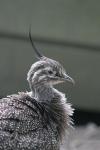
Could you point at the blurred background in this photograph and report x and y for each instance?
(65, 30)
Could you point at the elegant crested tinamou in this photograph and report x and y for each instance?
(36, 120)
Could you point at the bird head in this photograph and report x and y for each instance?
(46, 71)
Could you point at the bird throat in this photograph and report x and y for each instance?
(42, 93)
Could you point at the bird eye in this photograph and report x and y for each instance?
(56, 74)
(50, 72)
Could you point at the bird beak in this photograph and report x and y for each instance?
(69, 79)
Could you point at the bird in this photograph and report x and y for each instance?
(37, 119)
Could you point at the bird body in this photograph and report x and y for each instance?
(23, 125)
(28, 124)
(36, 120)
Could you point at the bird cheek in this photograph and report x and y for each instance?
(41, 78)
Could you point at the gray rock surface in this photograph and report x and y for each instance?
(83, 138)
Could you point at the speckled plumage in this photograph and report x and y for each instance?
(26, 124)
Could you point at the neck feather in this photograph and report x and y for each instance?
(55, 107)
(43, 93)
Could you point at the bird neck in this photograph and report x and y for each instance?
(43, 93)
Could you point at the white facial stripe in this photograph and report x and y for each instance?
(47, 68)
(41, 78)
(36, 73)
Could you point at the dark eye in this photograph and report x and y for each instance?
(50, 72)
(57, 74)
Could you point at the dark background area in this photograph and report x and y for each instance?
(83, 117)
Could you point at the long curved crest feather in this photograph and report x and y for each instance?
(38, 54)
